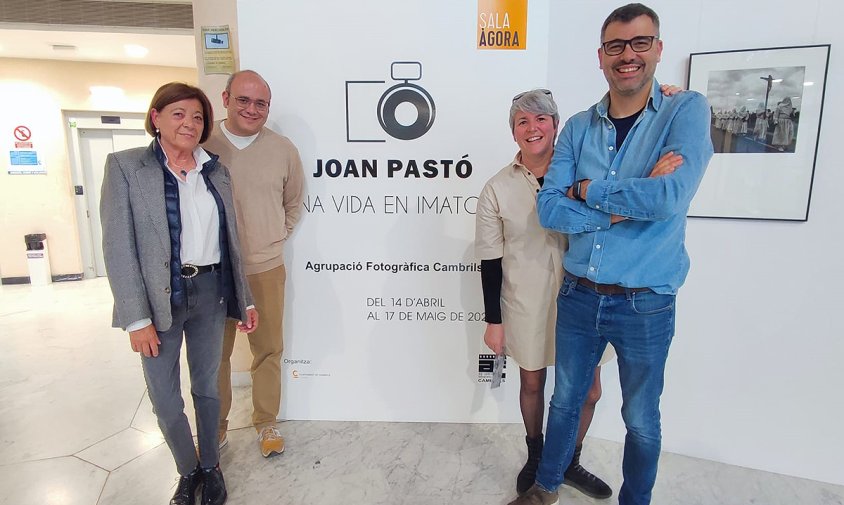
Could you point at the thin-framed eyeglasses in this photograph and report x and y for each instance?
(545, 91)
(244, 102)
(638, 44)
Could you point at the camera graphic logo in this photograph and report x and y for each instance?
(405, 111)
(486, 366)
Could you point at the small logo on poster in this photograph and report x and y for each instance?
(486, 364)
(502, 24)
(405, 111)
(300, 364)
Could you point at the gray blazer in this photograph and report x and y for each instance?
(136, 238)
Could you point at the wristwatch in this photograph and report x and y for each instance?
(576, 188)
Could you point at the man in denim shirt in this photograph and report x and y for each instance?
(620, 184)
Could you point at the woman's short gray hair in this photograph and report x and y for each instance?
(536, 101)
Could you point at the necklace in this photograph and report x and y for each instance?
(183, 169)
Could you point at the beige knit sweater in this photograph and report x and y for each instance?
(267, 180)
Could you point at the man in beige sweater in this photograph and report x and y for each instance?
(267, 176)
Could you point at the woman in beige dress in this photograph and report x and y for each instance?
(521, 272)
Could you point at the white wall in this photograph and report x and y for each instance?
(37, 92)
(754, 377)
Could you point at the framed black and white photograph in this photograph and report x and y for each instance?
(766, 107)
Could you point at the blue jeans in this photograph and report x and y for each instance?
(200, 320)
(640, 325)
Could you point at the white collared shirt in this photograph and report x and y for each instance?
(200, 220)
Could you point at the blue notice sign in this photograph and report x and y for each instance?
(25, 162)
(23, 157)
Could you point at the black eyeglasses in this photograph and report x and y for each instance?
(244, 102)
(637, 44)
(545, 91)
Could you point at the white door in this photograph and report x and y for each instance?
(94, 145)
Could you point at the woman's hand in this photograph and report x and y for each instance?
(494, 337)
(145, 340)
(670, 89)
(250, 322)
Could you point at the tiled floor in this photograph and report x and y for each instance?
(76, 428)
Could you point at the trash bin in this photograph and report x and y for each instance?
(38, 259)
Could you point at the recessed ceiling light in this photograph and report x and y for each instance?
(808, 83)
(64, 47)
(101, 94)
(135, 51)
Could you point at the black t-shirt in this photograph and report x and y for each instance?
(623, 126)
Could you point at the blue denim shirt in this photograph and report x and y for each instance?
(647, 249)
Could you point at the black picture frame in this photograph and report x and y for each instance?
(767, 106)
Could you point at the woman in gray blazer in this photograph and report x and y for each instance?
(173, 263)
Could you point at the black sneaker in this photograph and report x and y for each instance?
(583, 480)
(213, 486)
(186, 490)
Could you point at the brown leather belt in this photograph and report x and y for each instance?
(605, 289)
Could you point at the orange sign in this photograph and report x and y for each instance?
(502, 24)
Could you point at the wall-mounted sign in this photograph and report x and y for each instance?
(397, 138)
(217, 53)
(502, 24)
(23, 158)
(22, 133)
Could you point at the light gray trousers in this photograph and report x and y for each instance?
(200, 321)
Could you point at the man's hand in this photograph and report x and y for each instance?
(145, 340)
(583, 185)
(583, 189)
(666, 164)
(494, 337)
(250, 323)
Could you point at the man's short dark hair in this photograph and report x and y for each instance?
(628, 13)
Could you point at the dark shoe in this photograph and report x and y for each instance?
(527, 476)
(213, 486)
(536, 496)
(581, 479)
(186, 490)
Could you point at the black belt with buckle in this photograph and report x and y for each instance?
(605, 289)
(189, 271)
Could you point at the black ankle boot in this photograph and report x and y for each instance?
(581, 479)
(213, 486)
(528, 474)
(186, 490)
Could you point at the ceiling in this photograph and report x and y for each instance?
(173, 47)
(164, 49)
